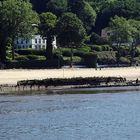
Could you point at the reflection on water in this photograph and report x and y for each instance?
(71, 117)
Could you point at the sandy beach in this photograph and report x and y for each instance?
(11, 76)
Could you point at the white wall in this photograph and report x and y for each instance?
(37, 42)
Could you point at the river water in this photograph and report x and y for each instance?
(106, 116)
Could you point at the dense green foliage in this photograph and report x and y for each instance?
(88, 10)
(124, 31)
(16, 20)
(77, 25)
(47, 26)
(71, 32)
(84, 11)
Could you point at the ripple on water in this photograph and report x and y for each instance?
(80, 117)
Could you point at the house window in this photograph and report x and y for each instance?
(40, 41)
(17, 41)
(30, 46)
(36, 46)
(21, 41)
(27, 41)
(43, 40)
(35, 40)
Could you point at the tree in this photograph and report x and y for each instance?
(47, 27)
(16, 21)
(39, 5)
(109, 8)
(120, 33)
(57, 7)
(84, 11)
(71, 32)
(135, 33)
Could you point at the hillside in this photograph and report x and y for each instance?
(95, 14)
(87, 32)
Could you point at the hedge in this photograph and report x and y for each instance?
(101, 47)
(106, 57)
(30, 52)
(21, 58)
(32, 57)
(124, 60)
(90, 60)
(34, 64)
(96, 39)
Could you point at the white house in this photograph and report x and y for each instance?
(36, 42)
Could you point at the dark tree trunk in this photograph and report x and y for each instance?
(3, 50)
(132, 53)
(118, 54)
(71, 57)
(49, 47)
(13, 49)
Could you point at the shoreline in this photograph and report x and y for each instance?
(11, 76)
(70, 89)
(9, 79)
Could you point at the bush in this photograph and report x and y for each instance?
(30, 52)
(58, 51)
(42, 58)
(57, 56)
(90, 60)
(63, 51)
(137, 51)
(31, 64)
(137, 60)
(106, 57)
(100, 48)
(21, 58)
(84, 48)
(123, 50)
(96, 39)
(79, 53)
(106, 48)
(75, 60)
(66, 52)
(32, 57)
(124, 60)
(66, 60)
(96, 48)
